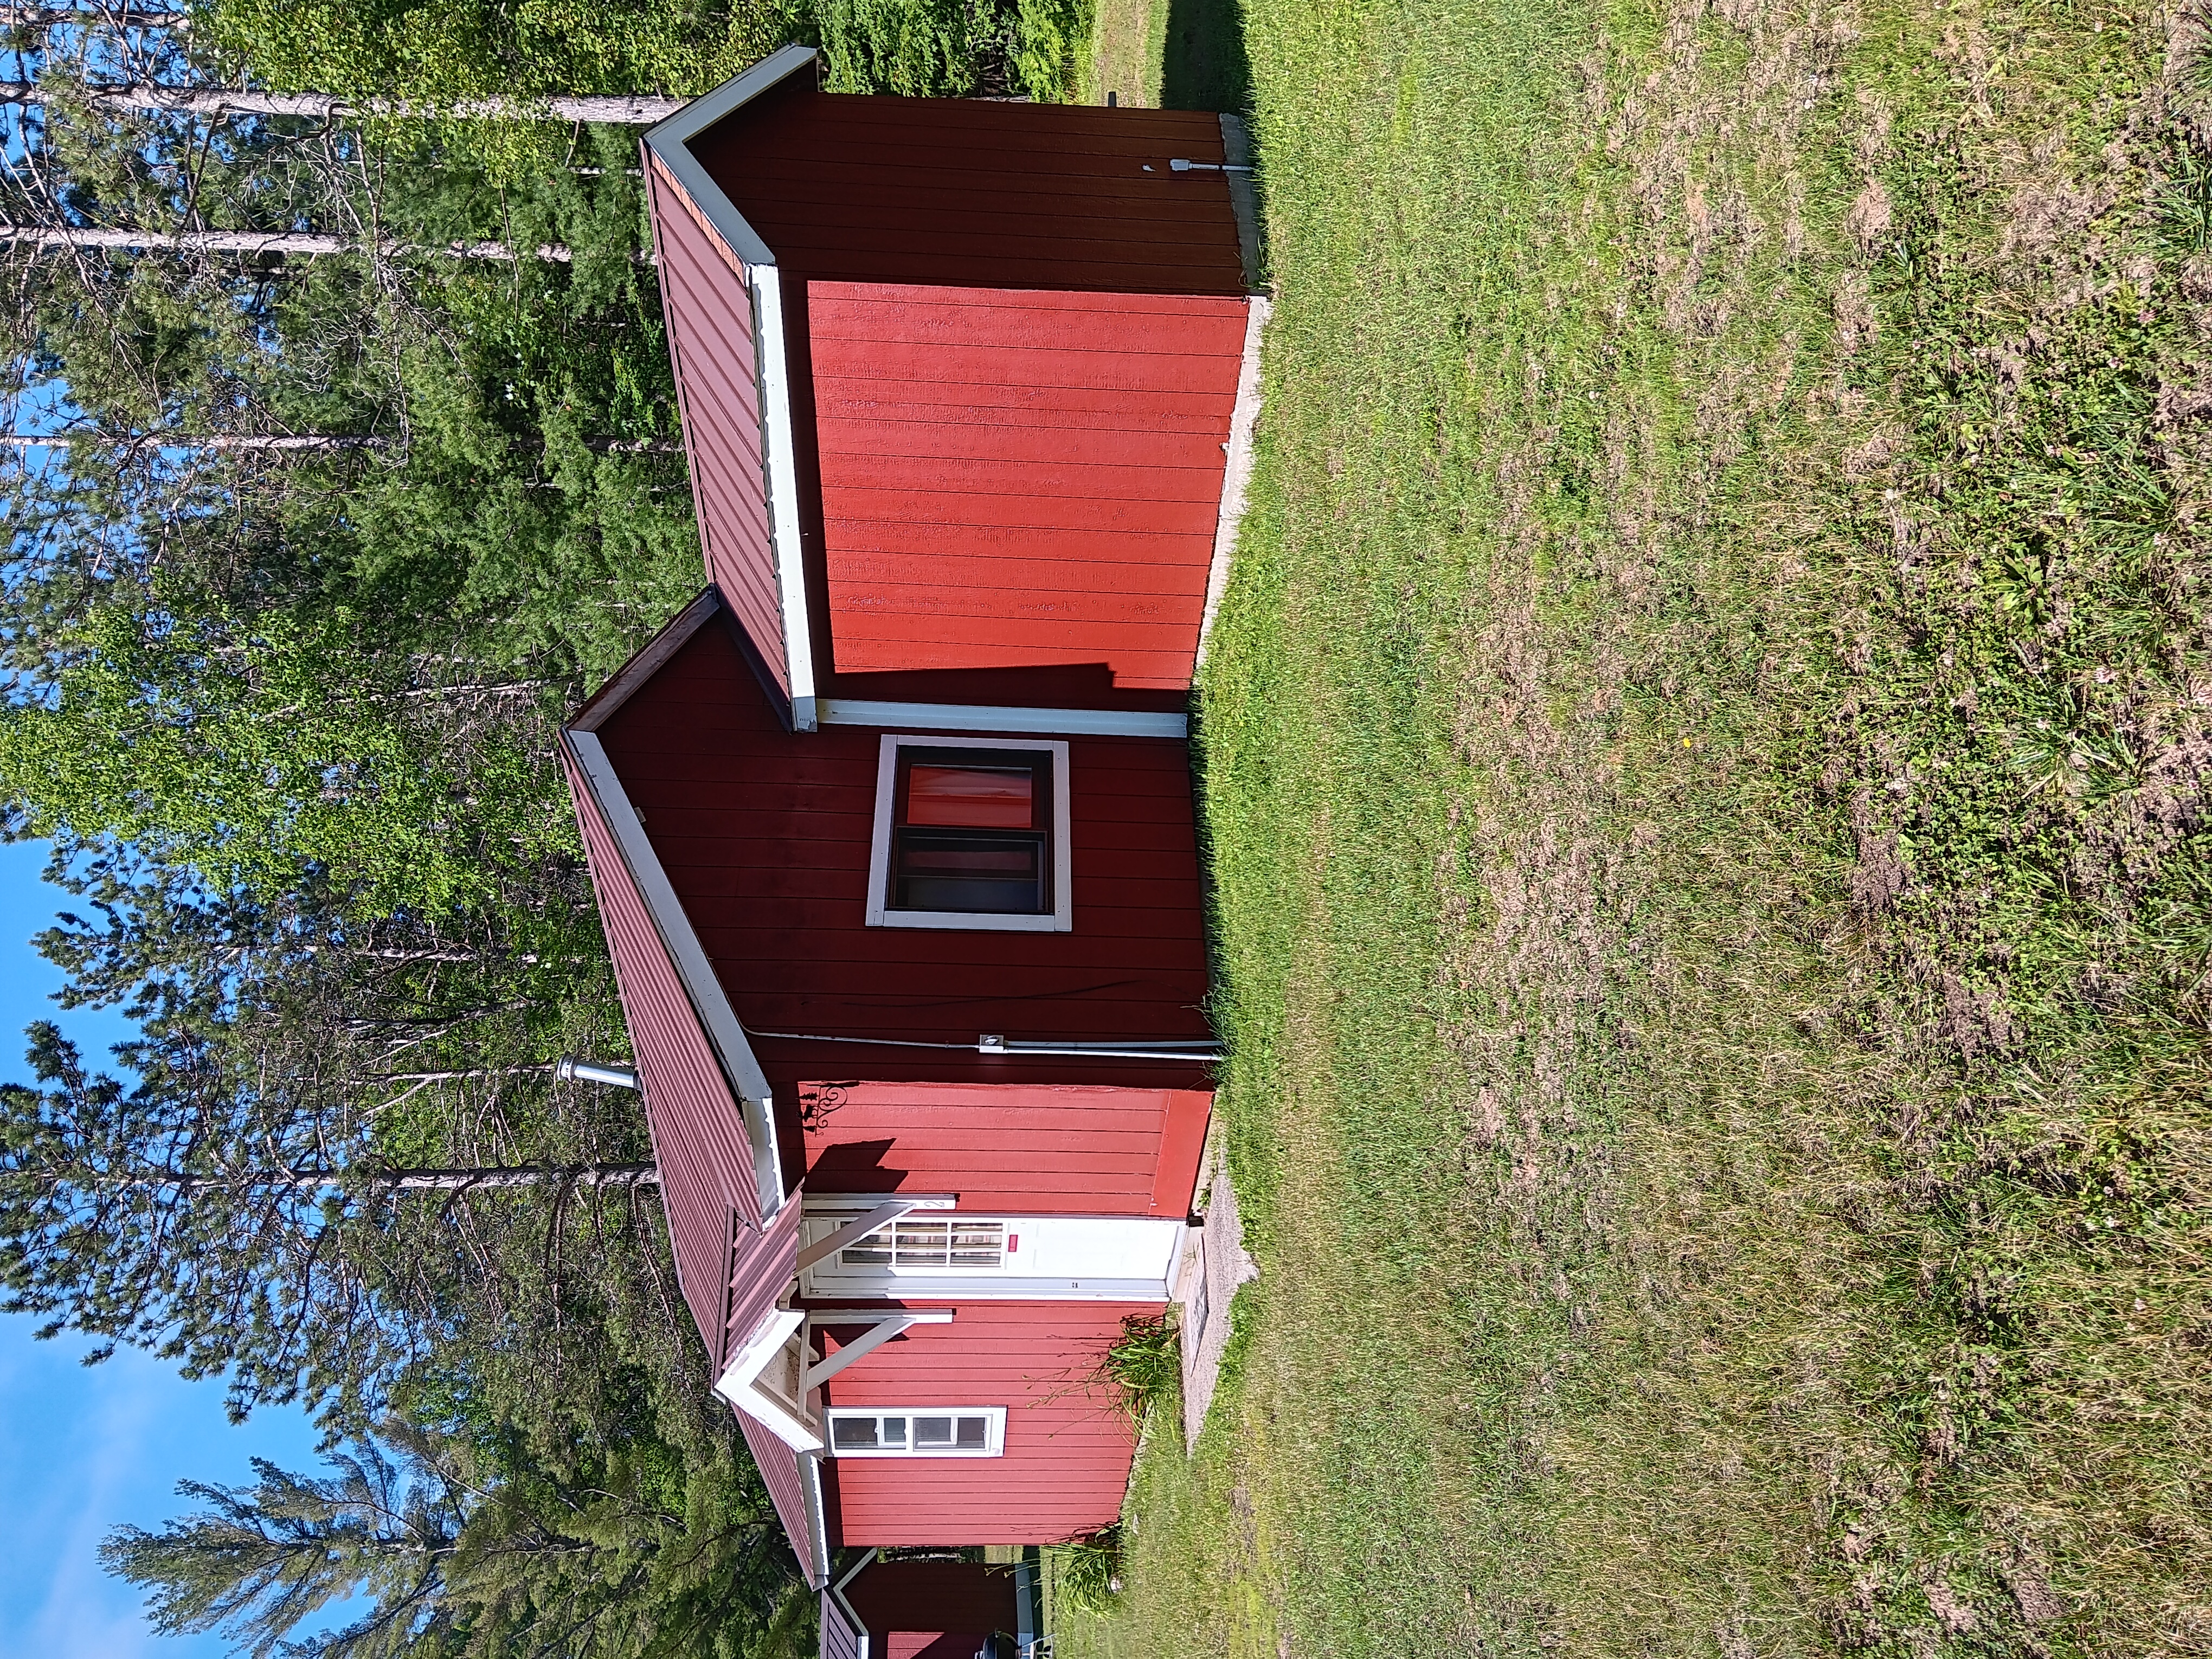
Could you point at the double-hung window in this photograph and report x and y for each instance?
(919, 1432)
(970, 833)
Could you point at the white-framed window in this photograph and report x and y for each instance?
(917, 1432)
(971, 832)
(922, 1244)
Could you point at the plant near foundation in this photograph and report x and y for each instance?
(1144, 1366)
(1087, 1573)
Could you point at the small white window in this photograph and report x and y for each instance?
(970, 832)
(919, 1244)
(917, 1432)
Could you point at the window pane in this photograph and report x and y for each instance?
(933, 1431)
(948, 870)
(971, 797)
(853, 1432)
(920, 1245)
(894, 1431)
(971, 1433)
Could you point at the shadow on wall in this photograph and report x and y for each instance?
(1203, 65)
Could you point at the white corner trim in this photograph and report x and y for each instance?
(830, 1203)
(976, 717)
(817, 1318)
(857, 1301)
(880, 915)
(740, 1065)
(779, 457)
(1237, 475)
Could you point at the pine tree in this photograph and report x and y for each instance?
(467, 1546)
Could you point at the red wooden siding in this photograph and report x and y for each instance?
(1018, 1151)
(710, 336)
(1020, 478)
(961, 190)
(1068, 1446)
(764, 835)
(698, 1136)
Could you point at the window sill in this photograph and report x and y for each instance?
(970, 920)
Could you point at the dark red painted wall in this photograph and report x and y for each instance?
(1060, 1151)
(764, 835)
(1017, 478)
(963, 190)
(710, 338)
(921, 1598)
(1068, 1444)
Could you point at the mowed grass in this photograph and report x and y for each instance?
(1705, 763)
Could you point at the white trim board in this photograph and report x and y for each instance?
(817, 1523)
(1237, 475)
(976, 717)
(780, 462)
(740, 1065)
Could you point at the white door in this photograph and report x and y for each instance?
(932, 1254)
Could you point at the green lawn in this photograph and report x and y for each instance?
(1705, 759)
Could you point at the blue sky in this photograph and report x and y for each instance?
(83, 1450)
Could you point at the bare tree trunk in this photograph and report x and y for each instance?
(322, 443)
(256, 440)
(615, 111)
(521, 1175)
(116, 16)
(413, 1181)
(250, 241)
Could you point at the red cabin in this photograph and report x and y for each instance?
(892, 828)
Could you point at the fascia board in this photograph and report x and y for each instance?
(850, 1574)
(670, 141)
(711, 1002)
(817, 1521)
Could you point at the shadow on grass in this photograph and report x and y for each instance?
(1203, 63)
